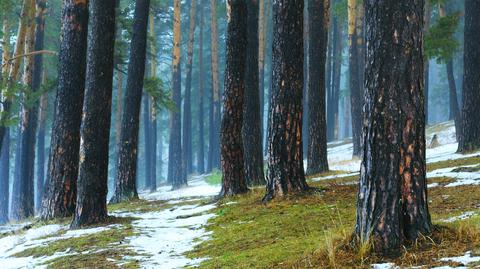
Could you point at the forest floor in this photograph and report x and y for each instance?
(184, 228)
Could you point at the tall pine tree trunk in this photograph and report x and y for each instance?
(147, 139)
(201, 94)
(95, 131)
(454, 108)
(262, 28)
(392, 199)
(318, 13)
(285, 163)
(336, 74)
(234, 181)
(4, 177)
(175, 159)
(470, 139)
(61, 184)
(214, 158)
(42, 118)
(125, 182)
(187, 102)
(252, 123)
(153, 106)
(426, 75)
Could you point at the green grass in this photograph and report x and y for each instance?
(215, 178)
(453, 163)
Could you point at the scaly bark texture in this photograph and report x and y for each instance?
(285, 163)
(95, 130)
(252, 123)
(175, 161)
(201, 98)
(125, 182)
(61, 184)
(233, 180)
(470, 139)
(23, 186)
(187, 102)
(214, 148)
(392, 199)
(318, 17)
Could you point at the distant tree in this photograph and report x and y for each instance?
(470, 139)
(125, 182)
(175, 158)
(252, 123)
(392, 198)
(95, 130)
(318, 17)
(285, 162)
(201, 98)
(61, 185)
(233, 173)
(153, 104)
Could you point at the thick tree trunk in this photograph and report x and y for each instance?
(392, 198)
(187, 102)
(285, 164)
(23, 194)
(234, 181)
(214, 157)
(125, 184)
(175, 160)
(252, 123)
(147, 140)
(454, 108)
(318, 16)
(4, 178)
(61, 185)
(95, 131)
(201, 93)
(470, 139)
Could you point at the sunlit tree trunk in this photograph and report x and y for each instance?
(61, 184)
(125, 182)
(392, 199)
(470, 139)
(95, 131)
(153, 106)
(175, 159)
(233, 180)
(318, 16)
(285, 163)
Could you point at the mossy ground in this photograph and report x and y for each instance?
(313, 230)
(215, 178)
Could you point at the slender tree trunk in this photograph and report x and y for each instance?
(201, 89)
(61, 185)
(125, 184)
(426, 75)
(306, 101)
(285, 164)
(454, 108)
(42, 117)
(234, 181)
(148, 140)
(337, 72)
(4, 177)
(153, 106)
(470, 139)
(187, 102)
(95, 131)
(252, 123)
(175, 160)
(268, 54)
(328, 79)
(392, 198)
(23, 195)
(215, 132)
(262, 23)
(317, 143)
(118, 67)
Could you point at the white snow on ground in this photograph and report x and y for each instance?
(384, 266)
(462, 178)
(464, 216)
(464, 260)
(196, 187)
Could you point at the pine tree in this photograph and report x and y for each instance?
(233, 180)
(125, 182)
(201, 98)
(285, 162)
(61, 185)
(392, 199)
(95, 129)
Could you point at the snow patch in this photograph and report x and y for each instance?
(464, 216)
(463, 260)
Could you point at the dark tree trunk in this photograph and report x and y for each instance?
(426, 75)
(392, 198)
(187, 102)
(317, 143)
(470, 139)
(23, 194)
(125, 182)
(328, 79)
(285, 164)
(252, 123)
(42, 117)
(201, 93)
(454, 108)
(306, 101)
(211, 123)
(95, 131)
(175, 160)
(234, 181)
(356, 96)
(4, 177)
(148, 140)
(268, 53)
(61, 185)
(336, 76)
